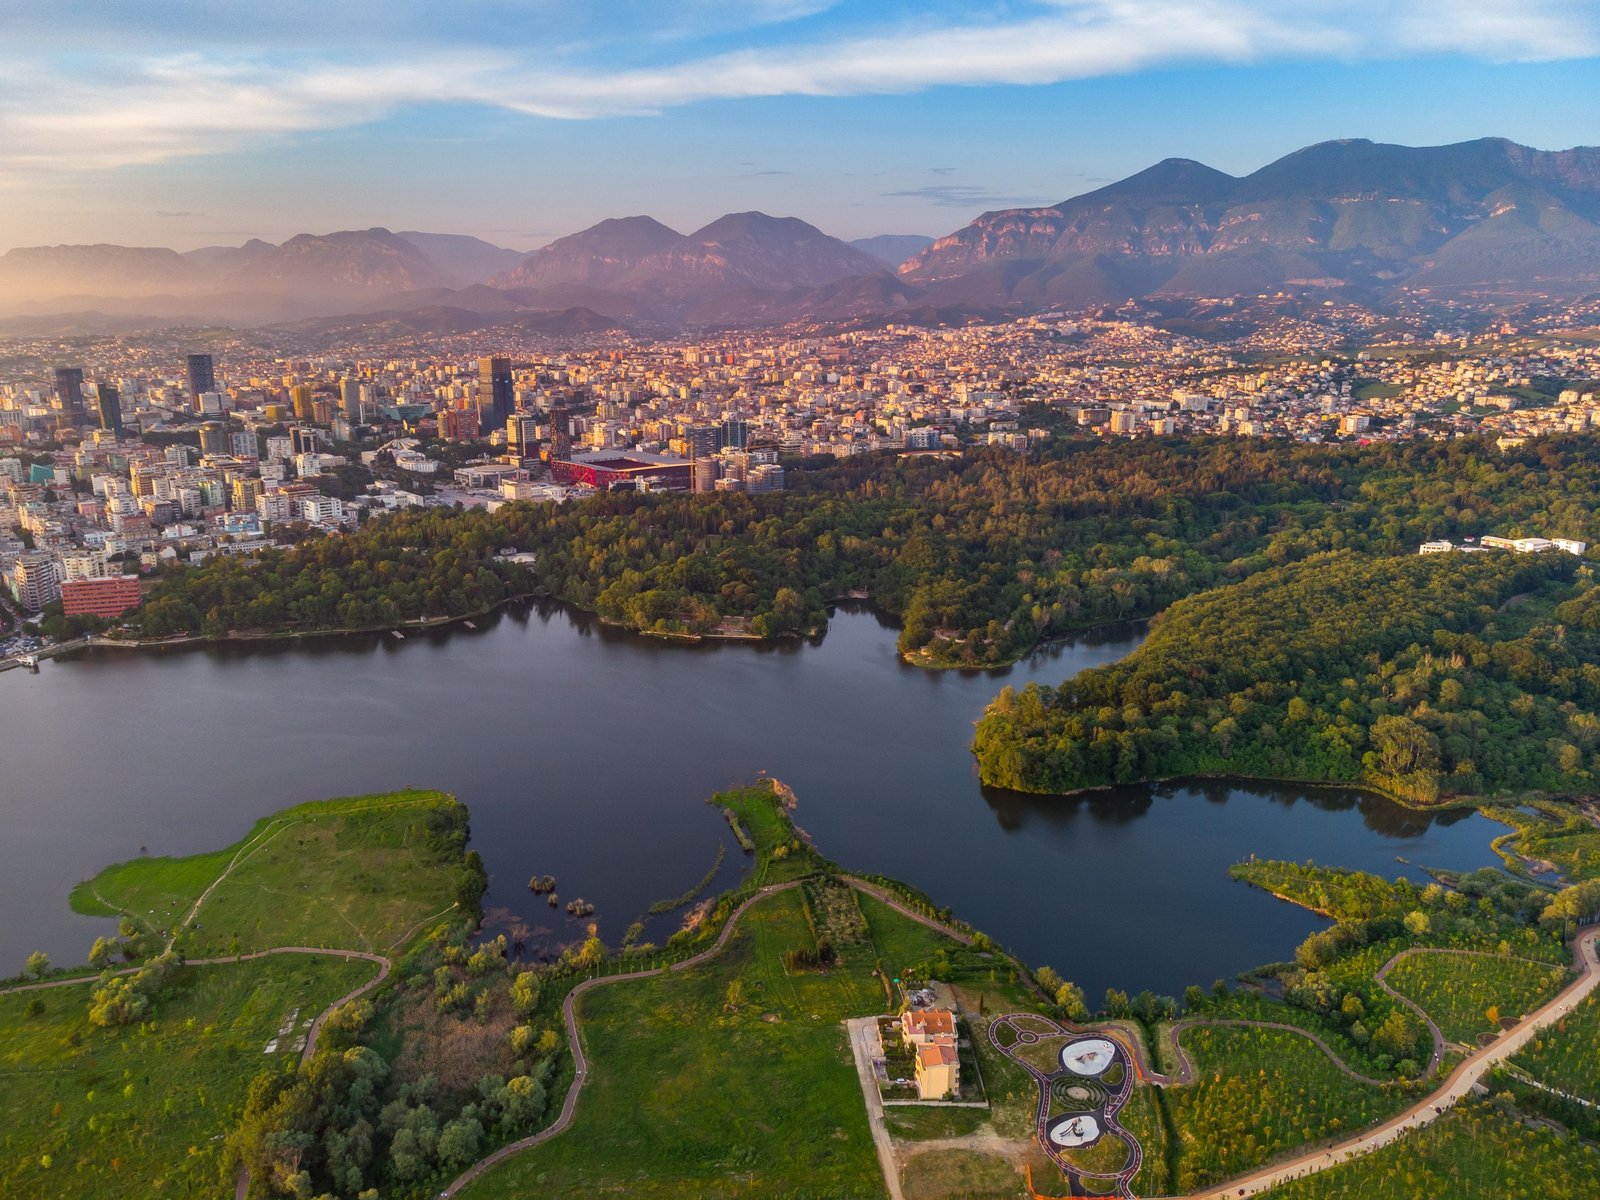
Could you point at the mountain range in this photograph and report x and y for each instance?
(1353, 218)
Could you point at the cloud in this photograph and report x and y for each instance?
(182, 212)
(957, 196)
(99, 106)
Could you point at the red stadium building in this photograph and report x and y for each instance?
(613, 470)
(108, 597)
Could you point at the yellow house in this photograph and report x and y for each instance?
(931, 1035)
(938, 1070)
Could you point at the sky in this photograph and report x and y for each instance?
(192, 122)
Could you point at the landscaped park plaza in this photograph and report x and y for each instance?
(312, 1012)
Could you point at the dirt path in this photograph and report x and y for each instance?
(1431, 1107)
(580, 1063)
(859, 1029)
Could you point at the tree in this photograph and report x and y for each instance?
(1416, 922)
(38, 964)
(103, 953)
(1396, 1036)
(458, 1141)
(1069, 996)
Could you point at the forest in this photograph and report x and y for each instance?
(980, 559)
(1425, 677)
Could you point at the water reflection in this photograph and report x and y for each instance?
(587, 752)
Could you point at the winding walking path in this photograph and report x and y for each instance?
(1431, 1107)
(580, 1063)
(383, 964)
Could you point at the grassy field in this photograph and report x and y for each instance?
(961, 1175)
(135, 1111)
(732, 1079)
(1567, 1055)
(1474, 1153)
(780, 852)
(1458, 990)
(1550, 834)
(1259, 1093)
(696, 1091)
(358, 873)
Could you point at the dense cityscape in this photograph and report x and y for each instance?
(140, 453)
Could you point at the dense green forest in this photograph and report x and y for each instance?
(1425, 676)
(980, 558)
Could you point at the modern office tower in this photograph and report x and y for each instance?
(496, 397)
(214, 440)
(109, 403)
(303, 440)
(69, 390)
(733, 434)
(560, 433)
(202, 375)
(350, 399)
(300, 398)
(522, 435)
(701, 439)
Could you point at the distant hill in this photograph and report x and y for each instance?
(671, 273)
(1489, 217)
(461, 260)
(1485, 219)
(893, 248)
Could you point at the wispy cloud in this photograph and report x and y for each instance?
(958, 196)
(101, 106)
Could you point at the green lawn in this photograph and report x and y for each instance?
(1567, 1055)
(358, 873)
(686, 1097)
(1474, 1153)
(1259, 1093)
(1457, 990)
(961, 1175)
(780, 852)
(136, 1111)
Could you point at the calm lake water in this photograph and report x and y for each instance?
(587, 753)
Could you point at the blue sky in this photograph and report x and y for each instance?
(186, 123)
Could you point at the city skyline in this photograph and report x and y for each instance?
(177, 126)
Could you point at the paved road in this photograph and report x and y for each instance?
(580, 1062)
(1431, 1107)
(861, 1046)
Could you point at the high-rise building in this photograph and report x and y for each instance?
(522, 435)
(733, 434)
(35, 579)
(202, 375)
(303, 440)
(496, 396)
(214, 440)
(109, 403)
(560, 433)
(300, 397)
(350, 399)
(69, 391)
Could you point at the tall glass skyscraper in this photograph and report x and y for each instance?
(202, 375)
(69, 390)
(109, 403)
(496, 397)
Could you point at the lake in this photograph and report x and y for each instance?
(587, 753)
